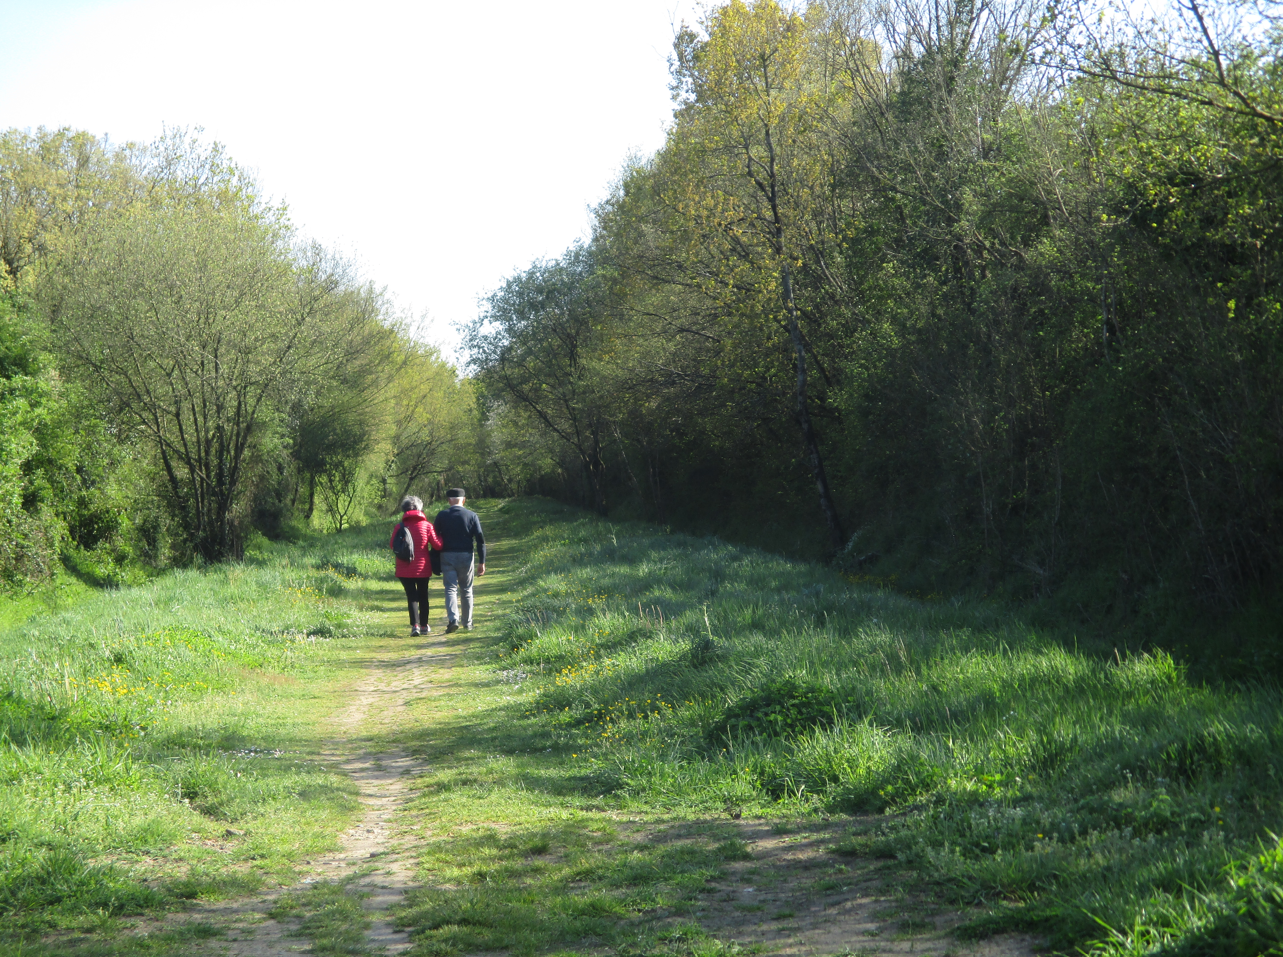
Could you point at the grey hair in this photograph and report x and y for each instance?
(411, 502)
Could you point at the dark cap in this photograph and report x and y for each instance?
(455, 493)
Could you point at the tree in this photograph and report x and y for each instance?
(52, 181)
(747, 166)
(199, 321)
(341, 486)
(1221, 56)
(537, 346)
(334, 443)
(343, 423)
(433, 417)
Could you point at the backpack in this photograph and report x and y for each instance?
(403, 543)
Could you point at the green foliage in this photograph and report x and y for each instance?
(63, 482)
(782, 709)
(537, 344)
(28, 534)
(214, 328)
(1244, 918)
(49, 179)
(434, 429)
(1038, 314)
(180, 370)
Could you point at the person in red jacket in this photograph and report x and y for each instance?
(414, 575)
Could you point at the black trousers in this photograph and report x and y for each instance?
(416, 596)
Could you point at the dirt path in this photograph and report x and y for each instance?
(368, 850)
(790, 896)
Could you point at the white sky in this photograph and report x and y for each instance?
(445, 146)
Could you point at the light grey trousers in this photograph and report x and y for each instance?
(456, 575)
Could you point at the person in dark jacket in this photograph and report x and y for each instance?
(414, 575)
(459, 528)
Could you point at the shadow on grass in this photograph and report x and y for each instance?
(1073, 782)
(531, 888)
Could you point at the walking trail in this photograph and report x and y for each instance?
(792, 898)
(383, 868)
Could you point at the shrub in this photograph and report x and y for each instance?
(782, 709)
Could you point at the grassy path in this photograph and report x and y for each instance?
(478, 840)
(650, 745)
(343, 900)
(368, 865)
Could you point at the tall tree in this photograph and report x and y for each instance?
(433, 418)
(747, 165)
(52, 181)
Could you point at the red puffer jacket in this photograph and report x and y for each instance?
(424, 534)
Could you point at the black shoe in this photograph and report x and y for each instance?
(451, 628)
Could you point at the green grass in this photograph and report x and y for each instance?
(531, 887)
(630, 701)
(157, 742)
(655, 675)
(329, 916)
(18, 605)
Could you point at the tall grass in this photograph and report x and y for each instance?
(1087, 796)
(150, 736)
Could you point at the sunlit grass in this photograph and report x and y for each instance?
(166, 732)
(1052, 787)
(582, 756)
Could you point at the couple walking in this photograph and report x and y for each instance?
(452, 534)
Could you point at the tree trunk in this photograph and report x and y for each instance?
(596, 466)
(656, 488)
(815, 460)
(596, 484)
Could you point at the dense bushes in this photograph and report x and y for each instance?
(59, 471)
(1016, 330)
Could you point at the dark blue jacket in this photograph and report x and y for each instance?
(458, 528)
